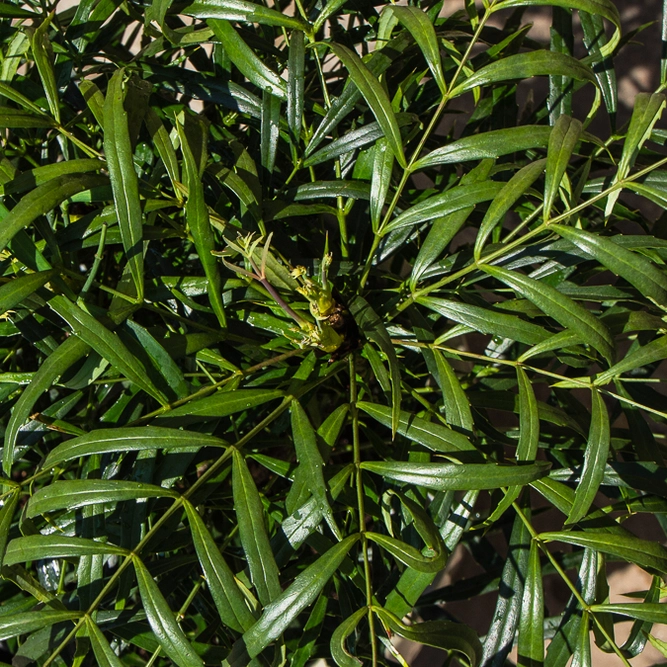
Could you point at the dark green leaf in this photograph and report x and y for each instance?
(29, 621)
(37, 547)
(339, 653)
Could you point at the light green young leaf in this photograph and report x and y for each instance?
(455, 477)
(373, 328)
(443, 204)
(252, 530)
(524, 66)
(124, 182)
(339, 652)
(418, 24)
(487, 320)
(245, 59)
(278, 616)
(37, 547)
(487, 145)
(104, 655)
(634, 267)
(445, 635)
(106, 343)
(562, 141)
(29, 621)
(58, 362)
(162, 620)
(129, 439)
(308, 456)
(375, 96)
(531, 619)
(242, 11)
(559, 306)
(196, 211)
(43, 199)
(648, 554)
(79, 492)
(227, 596)
(434, 436)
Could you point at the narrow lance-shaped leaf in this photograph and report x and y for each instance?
(241, 10)
(104, 655)
(278, 616)
(254, 537)
(6, 518)
(43, 55)
(309, 457)
(420, 27)
(17, 289)
(529, 421)
(269, 130)
(595, 459)
(245, 60)
(650, 353)
(226, 594)
(29, 621)
(124, 182)
(560, 87)
(295, 84)
(563, 139)
(164, 146)
(595, 39)
(637, 269)
(531, 620)
(375, 96)
(162, 620)
(339, 652)
(383, 164)
(457, 406)
(559, 306)
(58, 362)
(79, 492)
(106, 343)
(36, 547)
(450, 476)
(196, 212)
(371, 325)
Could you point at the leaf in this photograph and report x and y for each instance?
(123, 177)
(639, 271)
(487, 320)
(38, 547)
(163, 145)
(29, 621)
(307, 585)
(104, 655)
(6, 518)
(445, 203)
(15, 118)
(383, 165)
(77, 493)
(562, 41)
(456, 477)
(246, 61)
(531, 618)
(310, 459)
(373, 328)
(29, 179)
(646, 611)
(317, 189)
(529, 420)
(227, 596)
(524, 66)
(196, 211)
(563, 139)
(559, 306)
(433, 436)
(43, 199)
(375, 97)
(43, 55)
(162, 621)
(241, 10)
(445, 635)
(57, 363)
(647, 354)
(17, 289)
(270, 130)
(254, 538)
(408, 555)
(595, 458)
(595, 40)
(418, 24)
(295, 84)
(129, 439)
(649, 555)
(10, 93)
(339, 653)
(487, 145)
(106, 343)
(219, 404)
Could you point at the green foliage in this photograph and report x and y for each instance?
(283, 327)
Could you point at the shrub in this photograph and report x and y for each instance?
(298, 300)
